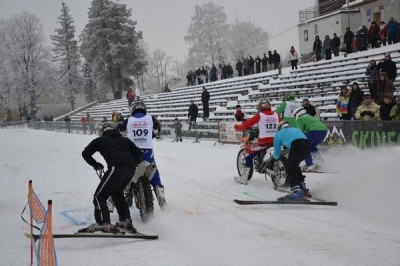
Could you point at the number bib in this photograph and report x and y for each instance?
(290, 107)
(140, 131)
(268, 125)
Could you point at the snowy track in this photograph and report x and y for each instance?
(204, 226)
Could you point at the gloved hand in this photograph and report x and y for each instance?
(236, 127)
(98, 166)
(369, 113)
(364, 113)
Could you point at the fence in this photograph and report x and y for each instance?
(361, 134)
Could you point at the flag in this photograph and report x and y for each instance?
(37, 210)
(46, 249)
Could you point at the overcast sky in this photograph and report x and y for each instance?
(165, 22)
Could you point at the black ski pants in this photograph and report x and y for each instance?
(299, 150)
(112, 184)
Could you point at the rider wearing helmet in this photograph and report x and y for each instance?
(117, 152)
(298, 145)
(142, 128)
(267, 122)
(315, 131)
(286, 108)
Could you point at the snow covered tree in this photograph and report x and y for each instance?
(23, 41)
(110, 43)
(158, 67)
(245, 39)
(66, 54)
(206, 33)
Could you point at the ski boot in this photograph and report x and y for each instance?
(243, 178)
(126, 225)
(95, 227)
(306, 192)
(296, 195)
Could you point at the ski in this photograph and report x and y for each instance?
(279, 189)
(98, 235)
(253, 202)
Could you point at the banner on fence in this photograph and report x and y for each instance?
(227, 133)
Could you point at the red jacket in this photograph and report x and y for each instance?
(254, 120)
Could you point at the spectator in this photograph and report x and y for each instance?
(372, 73)
(277, 60)
(310, 109)
(258, 64)
(348, 40)
(395, 112)
(120, 117)
(230, 71)
(205, 98)
(251, 65)
(166, 88)
(67, 121)
(374, 35)
(178, 129)
(362, 36)
(84, 124)
(213, 73)
(219, 72)
(392, 28)
(264, 63)
(245, 67)
(293, 57)
(335, 44)
(389, 67)
(354, 44)
(239, 115)
(327, 48)
(384, 86)
(368, 110)
(239, 67)
(130, 95)
(317, 48)
(356, 98)
(383, 33)
(270, 60)
(192, 114)
(386, 107)
(342, 104)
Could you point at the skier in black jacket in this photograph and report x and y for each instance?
(121, 156)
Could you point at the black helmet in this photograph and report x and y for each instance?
(138, 106)
(106, 127)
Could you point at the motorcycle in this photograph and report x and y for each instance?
(263, 163)
(139, 191)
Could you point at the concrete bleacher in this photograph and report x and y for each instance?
(317, 81)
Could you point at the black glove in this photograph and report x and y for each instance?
(363, 113)
(370, 113)
(98, 166)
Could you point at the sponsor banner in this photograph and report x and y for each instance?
(227, 133)
(362, 134)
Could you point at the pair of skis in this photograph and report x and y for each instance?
(85, 233)
(314, 201)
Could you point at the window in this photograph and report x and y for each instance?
(306, 35)
(315, 29)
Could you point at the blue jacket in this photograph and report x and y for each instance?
(285, 137)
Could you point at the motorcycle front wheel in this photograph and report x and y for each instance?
(241, 164)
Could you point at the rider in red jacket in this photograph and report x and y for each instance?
(267, 122)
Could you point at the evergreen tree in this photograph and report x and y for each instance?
(89, 86)
(66, 54)
(110, 44)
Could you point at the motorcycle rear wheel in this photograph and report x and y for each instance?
(241, 164)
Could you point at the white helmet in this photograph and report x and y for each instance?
(299, 111)
(283, 124)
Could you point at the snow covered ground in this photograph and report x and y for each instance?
(203, 225)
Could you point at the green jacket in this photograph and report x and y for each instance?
(286, 108)
(307, 123)
(395, 112)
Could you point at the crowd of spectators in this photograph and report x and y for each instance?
(243, 67)
(361, 40)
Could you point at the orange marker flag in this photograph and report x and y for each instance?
(36, 207)
(46, 249)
